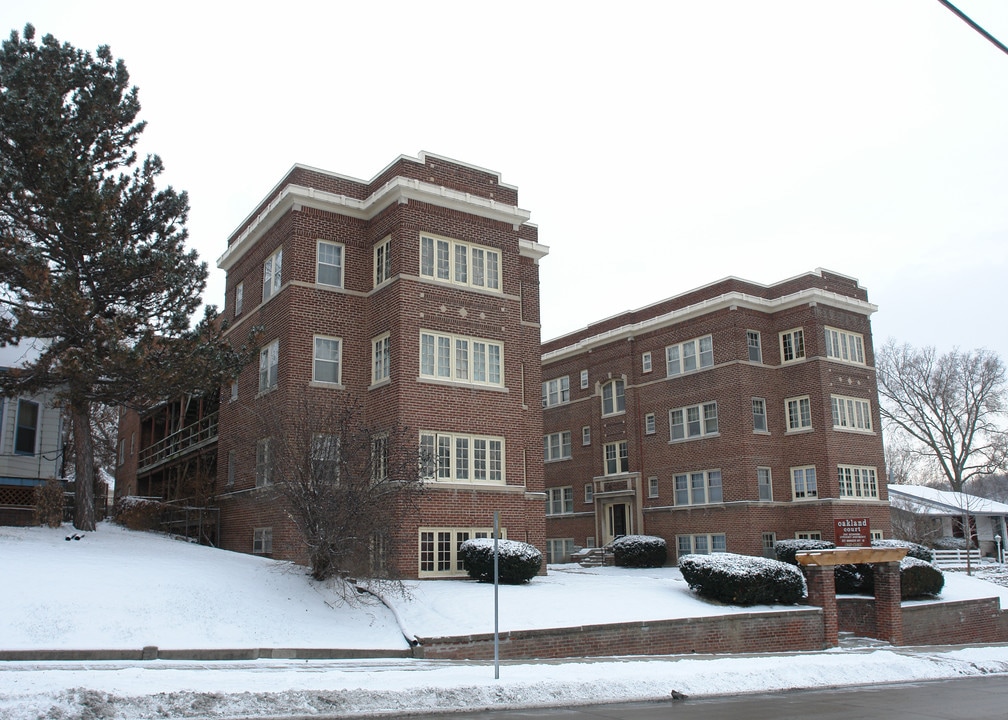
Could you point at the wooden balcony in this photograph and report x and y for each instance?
(183, 442)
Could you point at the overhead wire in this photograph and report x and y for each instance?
(969, 21)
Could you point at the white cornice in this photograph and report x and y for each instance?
(398, 189)
(730, 300)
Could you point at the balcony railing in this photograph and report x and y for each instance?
(190, 438)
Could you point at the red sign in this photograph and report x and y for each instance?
(852, 532)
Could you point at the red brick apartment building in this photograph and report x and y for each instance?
(416, 295)
(725, 418)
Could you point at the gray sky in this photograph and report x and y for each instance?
(658, 146)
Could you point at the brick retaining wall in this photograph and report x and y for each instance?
(931, 623)
(791, 630)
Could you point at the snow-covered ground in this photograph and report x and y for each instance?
(119, 589)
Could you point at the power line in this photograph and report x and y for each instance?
(966, 19)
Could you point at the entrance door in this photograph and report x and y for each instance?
(617, 521)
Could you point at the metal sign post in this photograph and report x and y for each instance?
(496, 532)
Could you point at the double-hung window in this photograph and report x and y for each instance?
(616, 458)
(765, 483)
(26, 432)
(460, 263)
(799, 413)
(701, 544)
(379, 458)
(325, 455)
(803, 481)
(557, 446)
(271, 274)
(857, 482)
(239, 298)
(693, 422)
(262, 541)
(556, 391)
(689, 356)
(845, 346)
(456, 457)
(329, 264)
(560, 501)
(698, 488)
(646, 362)
(269, 363)
(753, 343)
(382, 261)
(264, 463)
(613, 397)
(851, 413)
(792, 345)
(759, 423)
(462, 359)
(380, 358)
(326, 365)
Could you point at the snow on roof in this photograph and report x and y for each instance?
(929, 501)
(18, 354)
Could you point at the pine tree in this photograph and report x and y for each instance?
(92, 253)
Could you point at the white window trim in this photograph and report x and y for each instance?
(341, 265)
(36, 429)
(585, 435)
(652, 487)
(339, 361)
(470, 342)
(239, 298)
(614, 383)
(689, 487)
(768, 485)
(800, 427)
(649, 424)
(269, 363)
(454, 569)
(262, 541)
(797, 348)
(858, 481)
(766, 421)
(618, 445)
(646, 364)
(381, 359)
(563, 445)
(584, 379)
(562, 497)
(808, 535)
(562, 391)
(431, 441)
(758, 346)
(589, 493)
(844, 346)
(470, 283)
(264, 463)
(708, 538)
(701, 409)
(806, 496)
(382, 260)
(845, 414)
(272, 282)
(676, 367)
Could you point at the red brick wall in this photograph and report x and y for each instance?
(931, 623)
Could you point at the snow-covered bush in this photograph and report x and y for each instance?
(919, 578)
(517, 562)
(913, 549)
(743, 579)
(785, 550)
(952, 543)
(639, 551)
(138, 513)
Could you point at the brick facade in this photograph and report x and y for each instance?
(469, 212)
(712, 328)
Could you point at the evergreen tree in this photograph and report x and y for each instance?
(92, 253)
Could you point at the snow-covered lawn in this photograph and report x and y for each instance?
(119, 589)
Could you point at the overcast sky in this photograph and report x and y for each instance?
(658, 146)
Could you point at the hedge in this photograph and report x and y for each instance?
(743, 579)
(639, 551)
(517, 562)
(785, 550)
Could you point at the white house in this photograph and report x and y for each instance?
(941, 513)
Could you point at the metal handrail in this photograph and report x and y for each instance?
(190, 437)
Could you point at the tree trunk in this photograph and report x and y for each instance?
(84, 502)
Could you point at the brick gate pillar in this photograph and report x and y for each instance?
(888, 610)
(822, 592)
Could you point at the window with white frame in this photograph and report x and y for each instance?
(271, 274)
(559, 501)
(326, 364)
(792, 345)
(329, 263)
(858, 482)
(380, 358)
(382, 261)
(808, 535)
(803, 483)
(589, 493)
(439, 547)
(459, 263)
(646, 362)
(26, 427)
(765, 483)
(877, 535)
(122, 452)
(556, 391)
(262, 541)
(616, 458)
(557, 446)
(325, 454)
(770, 545)
(649, 424)
(755, 349)
(234, 390)
(586, 435)
(652, 487)
(239, 298)
(695, 421)
(379, 457)
(457, 457)
(698, 488)
(759, 423)
(851, 413)
(269, 364)
(689, 356)
(559, 550)
(584, 379)
(845, 346)
(461, 359)
(264, 462)
(799, 413)
(701, 544)
(613, 397)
